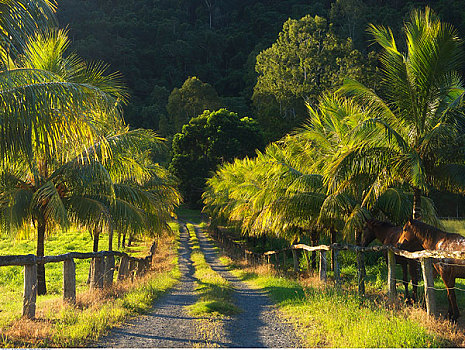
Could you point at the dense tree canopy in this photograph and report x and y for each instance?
(188, 102)
(207, 141)
(307, 59)
(159, 44)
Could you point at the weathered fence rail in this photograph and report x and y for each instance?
(426, 257)
(102, 272)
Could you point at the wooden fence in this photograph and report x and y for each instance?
(426, 258)
(102, 272)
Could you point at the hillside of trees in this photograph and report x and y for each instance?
(158, 44)
(261, 59)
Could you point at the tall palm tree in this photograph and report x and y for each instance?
(62, 106)
(415, 131)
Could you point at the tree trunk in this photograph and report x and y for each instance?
(315, 239)
(123, 241)
(416, 203)
(119, 240)
(360, 265)
(41, 284)
(96, 234)
(110, 238)
(96, 238)
(333, 240)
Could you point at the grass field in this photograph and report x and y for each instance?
(61, 325)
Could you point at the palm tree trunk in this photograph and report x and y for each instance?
(96, 235)
(96, 238)
(124, 240)
(416, 203)
(41, 284)
(360, 265)
(333, 240)
(110, 238)
(315, 238)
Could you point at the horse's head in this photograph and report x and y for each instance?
(408, 239)
(368, 233)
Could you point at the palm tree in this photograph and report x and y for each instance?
(414, 135)
(19, 19)
(62, 106)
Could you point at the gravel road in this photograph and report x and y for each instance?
(259, 324)
(168, 325)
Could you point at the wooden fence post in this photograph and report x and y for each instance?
(361, 273)
(69, 281)
(295, 260)
(427, 268)
(30, 291)
(123, 268)
(337, 272)
(132, 268)
(323, 265)
(141, 267)
(391, 275)
(109, 270)
(96, 281)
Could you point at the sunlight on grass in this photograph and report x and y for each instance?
(95, 312)
(329, 317)
(214, 292)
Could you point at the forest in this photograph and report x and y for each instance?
(181, 57)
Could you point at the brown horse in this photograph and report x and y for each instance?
(388, 234)
(417, 235)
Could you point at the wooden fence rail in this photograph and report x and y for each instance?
(103, 266)
(426, 258)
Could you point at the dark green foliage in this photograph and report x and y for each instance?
(158, 44)
(163, 42)
(188, 102)
(209, 140)
(307, 59)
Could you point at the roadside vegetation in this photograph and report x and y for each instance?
(61, 325)
(325, 316)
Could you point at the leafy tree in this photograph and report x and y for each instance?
(415, 133)
(207, 141)
(307, 59)
(188, 102)
(51, 93)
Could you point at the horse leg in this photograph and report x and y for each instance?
(413, 270)
(453, 311)
(405, 280)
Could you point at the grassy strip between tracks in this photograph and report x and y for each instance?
(213, 290)
(96, 312)
(325, 316)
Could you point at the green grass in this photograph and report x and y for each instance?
(214, 292)
(11, 277)
(67, 326)
(455, 226)
(190, 215)
(331, 317)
